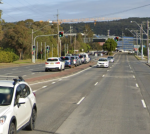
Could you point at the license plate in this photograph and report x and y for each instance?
(52, 63)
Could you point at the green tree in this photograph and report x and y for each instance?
(110, 45)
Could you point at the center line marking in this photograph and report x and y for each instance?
(44, 86)
(133, 76)
(96, 83)
(53, 82)
(137, 85)
(143, 102)
(103, 75)
(81, 100)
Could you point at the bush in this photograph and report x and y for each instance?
(7, 57)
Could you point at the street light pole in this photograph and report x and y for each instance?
(148, 58)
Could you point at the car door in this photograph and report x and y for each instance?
(28, 105)
(19, 110)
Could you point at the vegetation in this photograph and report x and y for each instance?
(16, 38)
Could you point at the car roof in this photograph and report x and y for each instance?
(53, 57)
(7, 83)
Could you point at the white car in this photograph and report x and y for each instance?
(54, 63)
(103, 62)
(86, 56)
(18, 107)
(111, 58)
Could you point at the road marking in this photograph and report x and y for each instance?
(24, 75)
(61, 78)
(143, 102)
(137, 85)
(110, 67)
(44, 86)
(107, 70)
(33, 73)
(103, 75)
(81, 100)
(53, 82)
(35, 90)
(133, 76)
(30, 69)
(96, 83)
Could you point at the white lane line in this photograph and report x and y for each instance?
(133, 76)
(33, 73)
(96, 83)
(35, 90)
(24, 75)
(81, 100)
(44, 86)
(137, 85)
(110, 67)
(61, 78)
(143, 102)
(53, 82)
(107, 70)
(103, 75)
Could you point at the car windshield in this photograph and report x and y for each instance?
(110, 57)
(72, 57)
(52, 59)
(65, 58)
(6, 94)
(102, 60)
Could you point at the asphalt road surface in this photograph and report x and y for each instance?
(114, 100)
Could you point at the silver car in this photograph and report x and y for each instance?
(111, 58)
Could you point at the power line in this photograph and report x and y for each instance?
(122, 11)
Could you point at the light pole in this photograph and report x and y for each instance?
(33, 42)
(147, 34)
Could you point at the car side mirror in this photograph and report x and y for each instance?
(21, 101)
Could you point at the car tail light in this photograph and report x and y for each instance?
(74, 60)
(46, 62)
(34, 94)
(57, 63)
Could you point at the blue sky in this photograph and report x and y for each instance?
(17, 10)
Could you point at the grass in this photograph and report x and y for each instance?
(139, 58)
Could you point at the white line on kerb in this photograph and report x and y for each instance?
(96, 83)
(133, 76)
(143, 102)
(137, 85)
(44, 86)
(103, 75)
(53, 82)
(81, 100)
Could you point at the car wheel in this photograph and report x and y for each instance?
(31, 125)
(64, 68)
(12, 128)
(46, 70)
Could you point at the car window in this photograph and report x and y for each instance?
(65, 58)
(51, 60)
(6, 94)
(25, 90)
(18, 94)
(102, 60)
(72, 57)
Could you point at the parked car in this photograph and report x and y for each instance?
(68, 61)
(75, 61)
(18, 107)
(54, 63)
(83, 58)
(86, 56)
(103, 62)
(111, 58)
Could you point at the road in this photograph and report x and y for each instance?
(112, 100)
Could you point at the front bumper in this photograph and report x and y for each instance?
(102, 65)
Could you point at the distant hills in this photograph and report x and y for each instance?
(116, 27)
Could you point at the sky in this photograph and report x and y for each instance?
(46, 10)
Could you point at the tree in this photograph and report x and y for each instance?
(19, 39)
(110, 45)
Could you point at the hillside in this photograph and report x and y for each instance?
(116, 27)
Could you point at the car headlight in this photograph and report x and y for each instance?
(2, 120)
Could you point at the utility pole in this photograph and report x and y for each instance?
(41, 50)
(45, 51)
(37, 51)
(148, 58)
(58, 34)
(52, 50)
(141, 35)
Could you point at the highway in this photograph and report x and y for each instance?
(114, 100)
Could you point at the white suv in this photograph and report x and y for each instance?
(18, 108)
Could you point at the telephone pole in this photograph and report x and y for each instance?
(148, 58)
(58, 34)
